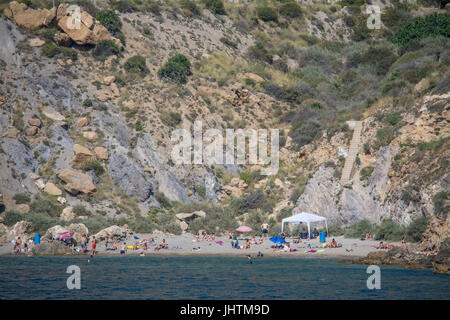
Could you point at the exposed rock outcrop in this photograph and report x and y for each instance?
(29, 18)
(77, 182)
(113, 233)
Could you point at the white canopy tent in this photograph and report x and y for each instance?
(304, 217)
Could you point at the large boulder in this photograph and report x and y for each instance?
(55, 248)
(29, 18)
(78, 229)
(54, 231)
(52, 189)
(187, 217)
(67, 214)
(20, 229)
(113, 233)
(82, 155)
(101, 153)
(77, 182)
(79, 35)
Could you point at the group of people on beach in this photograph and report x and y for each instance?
(22, 246)
(248, 242)
(205, 237)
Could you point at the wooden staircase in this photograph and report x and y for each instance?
(352, 153)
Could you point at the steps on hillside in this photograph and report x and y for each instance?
(352, 152)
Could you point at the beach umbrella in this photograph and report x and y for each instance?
(244, 229)
(277, 240)
(64, 235)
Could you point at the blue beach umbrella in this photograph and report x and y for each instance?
(277, 240)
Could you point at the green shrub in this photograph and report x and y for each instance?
(430, 26)
(415, 229)
(384, 137)
(336, 230)
(259, 52)
(40, 223)
(252, 200)
(21, 198)
(217, 221)
(45, 207)
(284, 213)
(215, 6)
(359, 229)
(104, 49)
(176, 69)
(366, 172)
(267, 14)
(346, 3)
(191, 6)
(394, 118)
(171, 119)
(94, 166)
(390, 231)
(166, 223)
(163, 200)
(12, 217)
(290, 9)
(246, 177)
(380, 56)
(142, 225)
(138, 126)
(136, 64)
(81, 210)
(109, 20)
(229, 43)
(200, 189)
(295, 195)
(441, 203)
(97, 223)
(49, 49)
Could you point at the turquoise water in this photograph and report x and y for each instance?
(180, 277)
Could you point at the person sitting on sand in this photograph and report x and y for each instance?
(381, 245)
(368, 236)
(404, 245)
(142, 254)
(213, 237)
(261, 240)
(197, 237)
(333, 244)
(247, 245)
(253, 240)
(115, 246)
(144, 246)
(234, 241)
(163, 245)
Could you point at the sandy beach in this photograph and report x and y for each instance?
(186, 245)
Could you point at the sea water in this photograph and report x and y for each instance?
(201, 277)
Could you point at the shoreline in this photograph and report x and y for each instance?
(184, 245)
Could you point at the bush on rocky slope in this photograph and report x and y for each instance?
(176, 69)
(110, 20)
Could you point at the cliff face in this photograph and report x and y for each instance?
(405, 177)
(69, 105)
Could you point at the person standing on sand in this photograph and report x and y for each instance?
(94, 244)
(265, 229)
(123, 248)
(83, 243)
